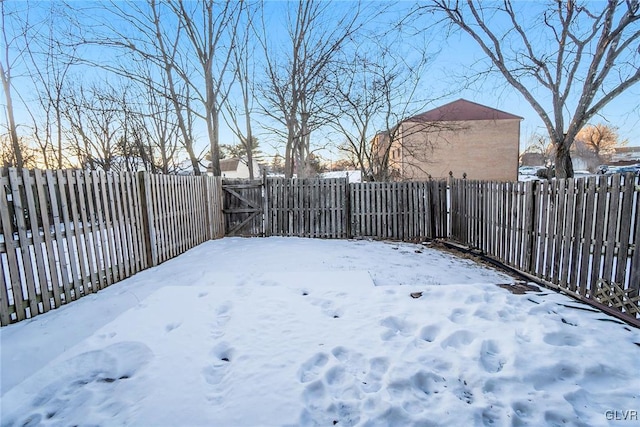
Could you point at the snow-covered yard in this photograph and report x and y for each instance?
(288, 331)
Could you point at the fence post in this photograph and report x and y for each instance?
(347, 208)
(266, 221)
(530, 206)
(207, 206)
(148, 228)
(634, 277)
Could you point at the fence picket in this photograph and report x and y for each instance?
(91, 276)
(49, 245)
(577, 235)
(37, 241)
(611, 228)
(626, 220)
(600, 227)
(567, 234)
(11, 246)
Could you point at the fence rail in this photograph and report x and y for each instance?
(68, 233)
(581, 235)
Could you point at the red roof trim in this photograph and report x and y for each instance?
(462, 110)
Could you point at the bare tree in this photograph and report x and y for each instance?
(579, 56)
(294, 92)
(6, 64)
(243, 63)
(159, 127)
(95, 115)
(375, 89)
(7, 153)
(153, 52)
(541, 144)
(210, 27)
(49, 67)
(600, 139)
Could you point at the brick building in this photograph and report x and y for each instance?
(461, 137)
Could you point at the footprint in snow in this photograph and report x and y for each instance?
(490, 358)
(336, 376)
(548, 376)
(327, 307)
(223, 314)
(171, 326)
(86, 380)
(429, 333)
(522, 411)
(222, 317)
(463, 392)
(562, 339)
(395, 326)
(459, 315)
(428, 383)
(353, 361)
(458, 339)
(310, 369)
(217, 370)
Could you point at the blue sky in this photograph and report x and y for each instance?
(458, 53)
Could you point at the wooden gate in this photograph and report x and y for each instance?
(243, 207)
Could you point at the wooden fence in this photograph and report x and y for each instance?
(307, 207)
(579, 235)
(65, 234)
(182, 212)
(399, 210)
(243, 202)
(333, 208)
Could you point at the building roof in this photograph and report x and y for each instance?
(626, 154)
(229, 165)
(462, 110)
(631, 149)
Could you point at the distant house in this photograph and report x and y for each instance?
(533, 159)
(237, 168)
(458, 138)
(625, 156)
(353, 176)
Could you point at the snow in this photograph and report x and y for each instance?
(289, 331)
(354, 176)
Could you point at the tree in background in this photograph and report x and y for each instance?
(240, 150)
(541, 145)
(600, 139)
(277, 164)
(243, 64)
(374, 89)
(578, 55)
(8, 153)
(6, 64)
(295, 91)
(50, 68)
(210, 27)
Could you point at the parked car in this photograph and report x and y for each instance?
(529, 170)
(635, 169)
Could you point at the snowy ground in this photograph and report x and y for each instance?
(287, 331)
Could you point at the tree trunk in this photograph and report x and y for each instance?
(564, 166)
(17, 152)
